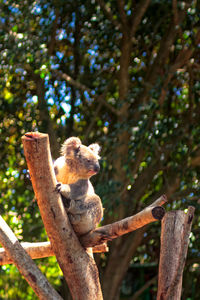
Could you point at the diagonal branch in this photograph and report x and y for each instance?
(138, 14)
(25, 265)
(82, 87)
(108, 232)
(108, 13)
(122, 13)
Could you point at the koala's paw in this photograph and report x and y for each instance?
(58, 187)
(63, 191)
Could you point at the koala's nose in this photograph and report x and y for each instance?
(96, 167)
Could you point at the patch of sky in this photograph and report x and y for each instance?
(66, 107)
(30, 100)
(2, 20)
(19, 70)
(13, 9)
(59, 55)
(61, 34)
(72, 23)
(54, 66)
(77, 117)
(50, 101)
(92, 61)
(50, 92)
(36, 10)
(177, 91)
(43, 21)
(87, 96)
(78, 102)
(92, 52)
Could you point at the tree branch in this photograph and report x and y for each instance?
(41, 250)
(138, 14)
(52, 43)
(122, 14)
(143, 288)
(25, 265)
(78, 266)
(176, 227)
(108, 232)
(84, 88)
(108, 13)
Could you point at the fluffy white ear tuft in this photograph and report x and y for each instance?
(95, 148)
(71, 144)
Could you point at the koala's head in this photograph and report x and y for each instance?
(84, 160)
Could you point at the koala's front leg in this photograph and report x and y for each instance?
(65, 192)
(63, 189)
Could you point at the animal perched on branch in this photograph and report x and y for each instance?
(73, 171)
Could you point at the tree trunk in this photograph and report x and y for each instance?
(176, 226)
(79, 268)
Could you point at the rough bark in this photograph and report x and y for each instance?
(78, 267)
(176, 227)
(111, 231)
(41, 250)
(25, 264)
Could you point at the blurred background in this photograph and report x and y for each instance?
(121, 73)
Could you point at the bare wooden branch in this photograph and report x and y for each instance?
(82, 87)
(41, 250)
(143, 288)
(25, 264)
(176, 227)
(108, 13)
(108, 232)
(122, 13)
(78, 267)
(138, 14)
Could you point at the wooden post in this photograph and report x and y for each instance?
(25, 264)
(79, 268)
(176, 226)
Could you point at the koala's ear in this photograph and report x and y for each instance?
(95, 148)
(70, 145)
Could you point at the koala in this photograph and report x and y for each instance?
(73, 170)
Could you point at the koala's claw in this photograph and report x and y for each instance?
(58, 187)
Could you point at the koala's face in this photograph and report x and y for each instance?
(87, 161)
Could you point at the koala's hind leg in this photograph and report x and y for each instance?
(74, 219)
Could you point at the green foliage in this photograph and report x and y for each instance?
(149, 148)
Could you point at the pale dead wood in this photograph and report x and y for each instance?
(176, 227)
(25, 264)
(78, 267)
(41, 250)
(108, 232)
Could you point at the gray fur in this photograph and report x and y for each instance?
(82, 205)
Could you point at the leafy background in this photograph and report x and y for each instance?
(121, 73)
